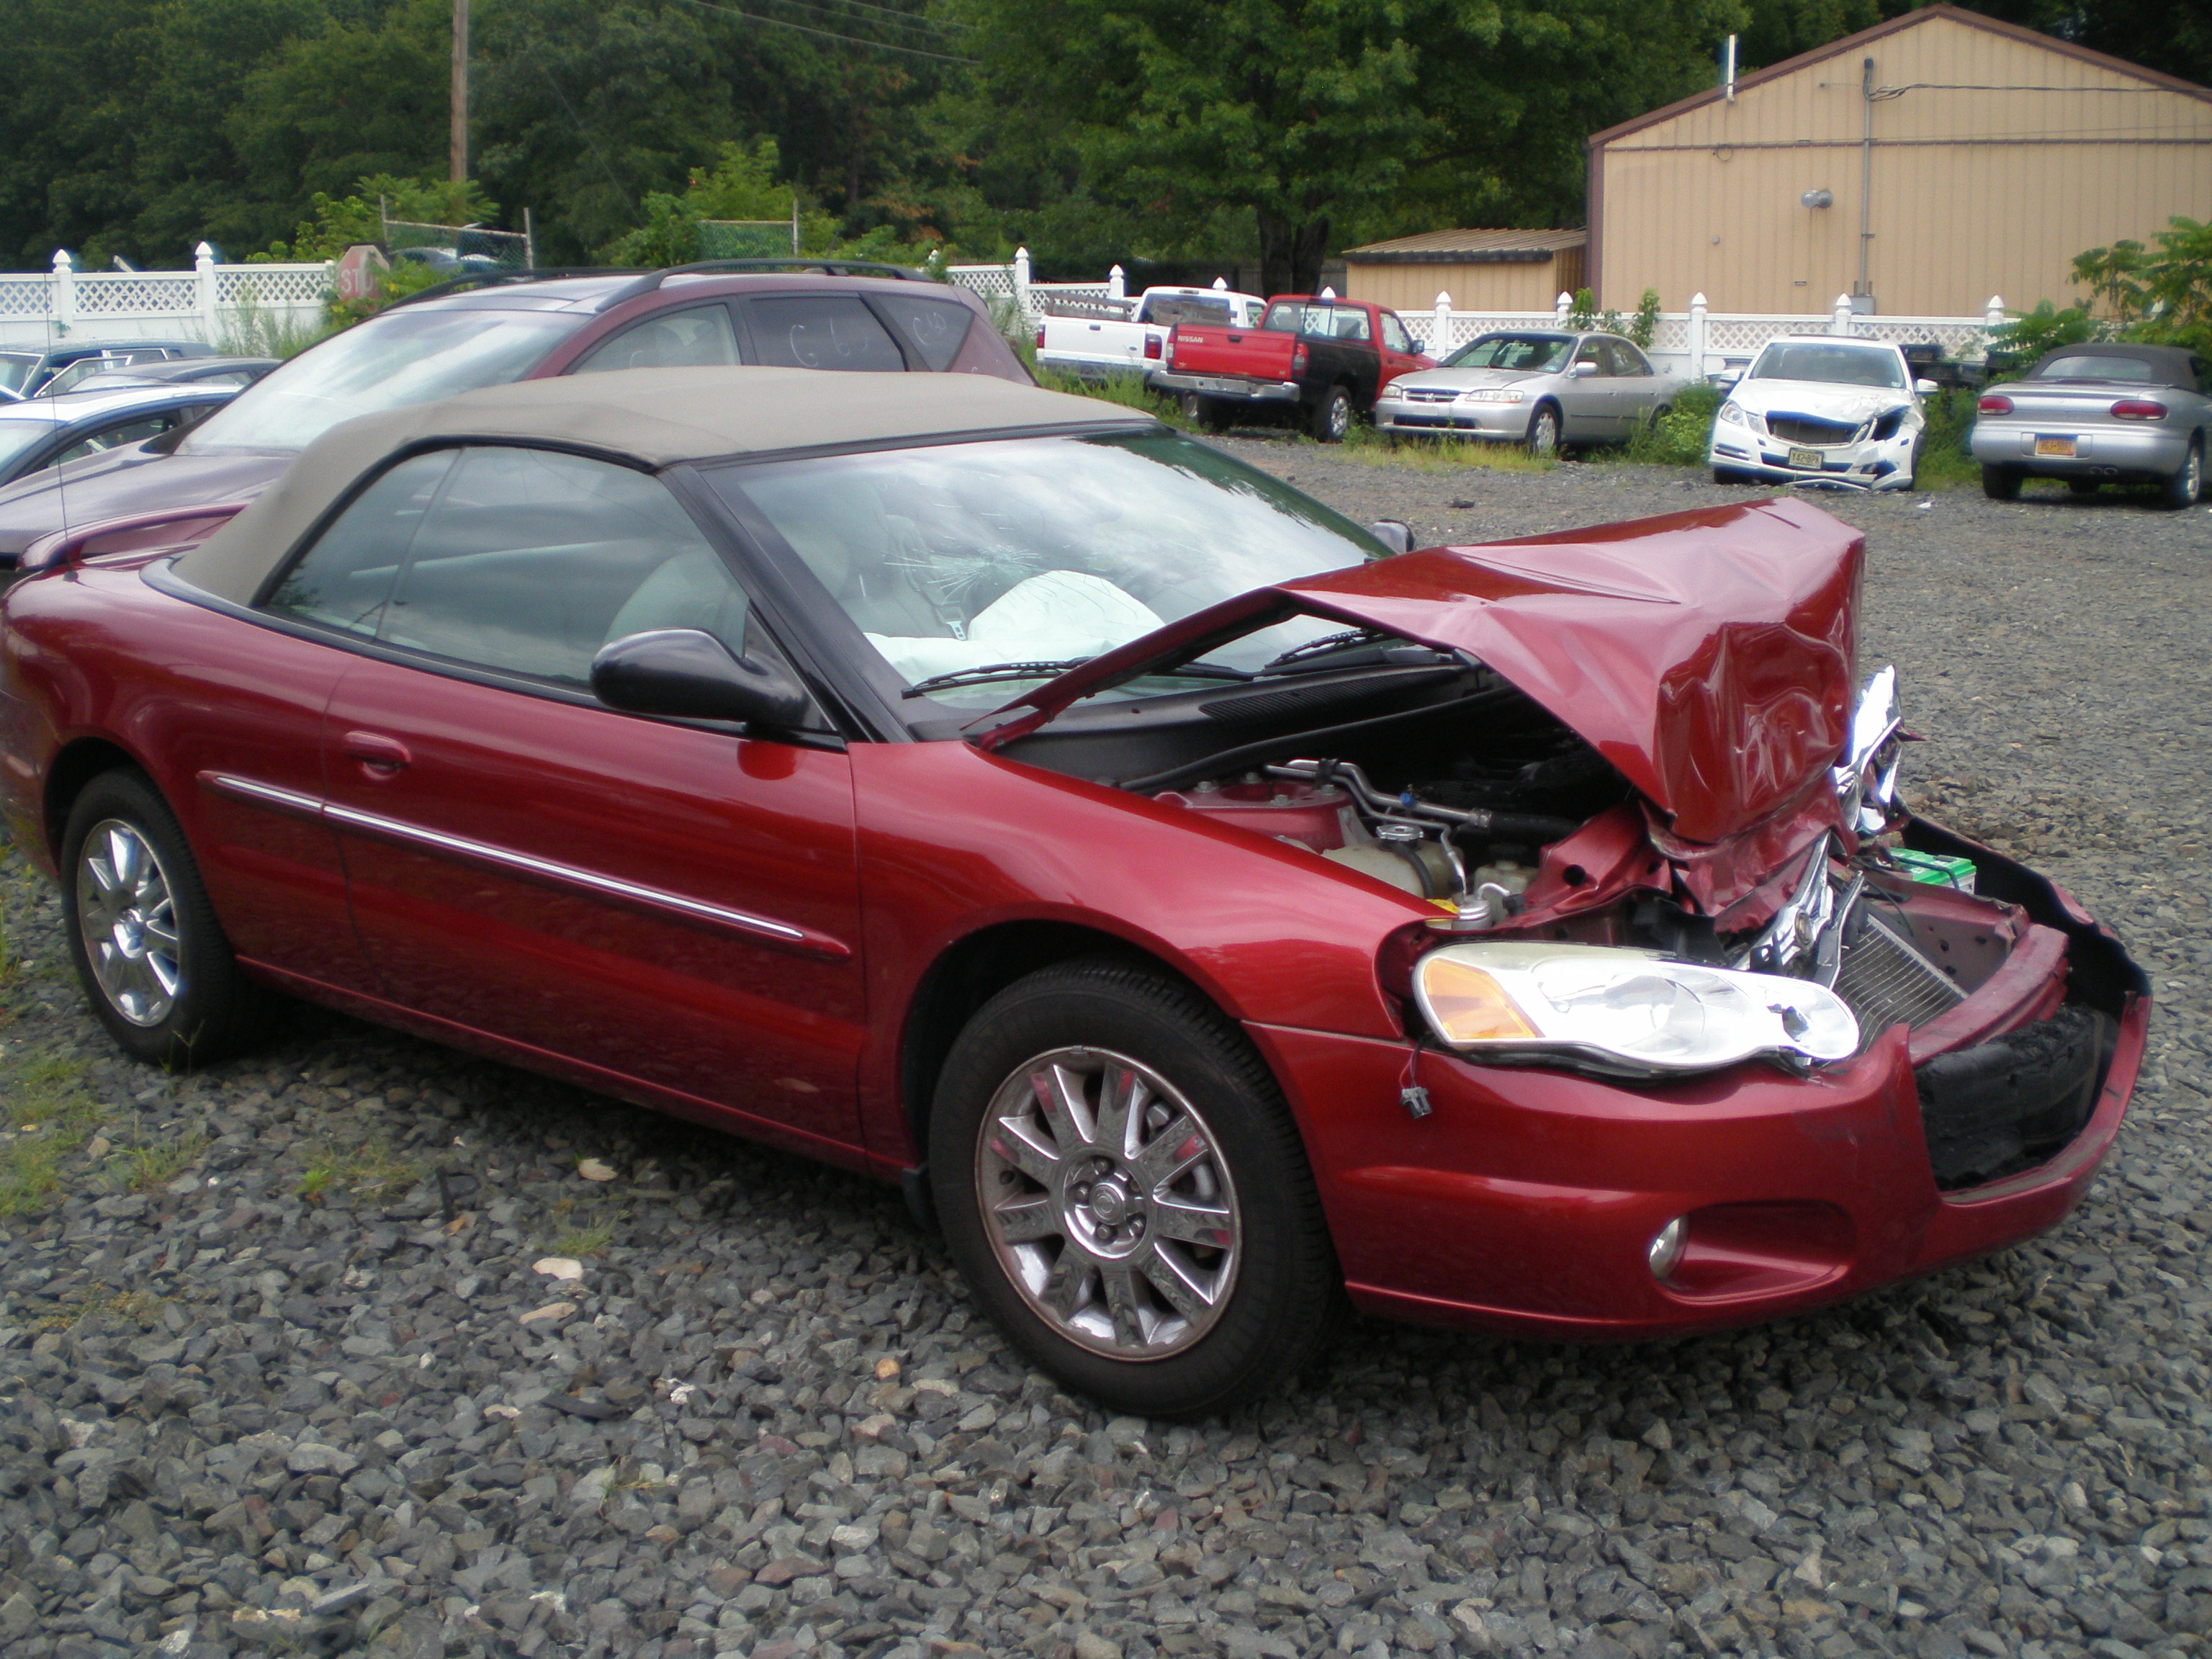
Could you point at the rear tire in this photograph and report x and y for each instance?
(1175, 1279)
(1204, 413)
(1332, 415)
(2186, 488)
(1999, 484)
(152, 958)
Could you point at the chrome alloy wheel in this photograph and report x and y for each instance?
(1109, 1202)
(128, 920)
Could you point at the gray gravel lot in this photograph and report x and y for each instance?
(269, 1383)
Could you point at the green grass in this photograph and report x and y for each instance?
(1127, 390)
(1368, 447)
(371, 1171)
(43, 1093)
(144, 1167)
(585, 1242)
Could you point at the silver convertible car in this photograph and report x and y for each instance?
(1532, 386)
(2098, 414)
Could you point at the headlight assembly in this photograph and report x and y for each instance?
(1737, 415)
(1494, 394)
(1623, 1013)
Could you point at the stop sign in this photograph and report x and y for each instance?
(358, 269)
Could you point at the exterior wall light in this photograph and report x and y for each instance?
(1818, 198)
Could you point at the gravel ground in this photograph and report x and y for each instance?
(281, 1367)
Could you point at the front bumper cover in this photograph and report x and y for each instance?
(1526, 1200)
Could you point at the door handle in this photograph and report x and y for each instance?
(379, 756)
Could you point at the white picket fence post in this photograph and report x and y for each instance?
(1993, 318)
(1117, 284)
(204, 288)
(64, 299)
(1021, 280)
(1840, 321)
(1563, 308)
(1440, 330)
(1697, 336)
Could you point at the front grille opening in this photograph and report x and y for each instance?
(1811, 429)
(1885, 980)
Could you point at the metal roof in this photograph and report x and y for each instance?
(1469, 247)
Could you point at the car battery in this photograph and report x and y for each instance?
(1936, 869)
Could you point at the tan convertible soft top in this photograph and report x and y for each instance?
(655, 416)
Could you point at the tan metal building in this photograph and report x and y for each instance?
(1481, 270)
(1928, 163)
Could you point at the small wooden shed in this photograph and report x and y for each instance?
(1481, 270)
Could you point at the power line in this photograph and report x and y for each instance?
(825, 34)
(912, 19)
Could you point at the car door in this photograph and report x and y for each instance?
(673, 904)
(1402, 355)
(1637, 388)
(1586, 395)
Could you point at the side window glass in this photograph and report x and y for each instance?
(822, 330)
(939, 328)
(701, 338)
(131, 432)
(345, 579)
(1395, 335)
(1627, 360)
(1593, 351)
(530, 561)
(1352, 324)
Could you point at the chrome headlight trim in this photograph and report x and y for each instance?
(1623, 1013)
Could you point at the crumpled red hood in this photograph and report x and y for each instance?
(1708, 655)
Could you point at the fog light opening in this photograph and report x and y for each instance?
(1666, 1248)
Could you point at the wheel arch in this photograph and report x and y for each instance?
(77, 764)
(976, 968)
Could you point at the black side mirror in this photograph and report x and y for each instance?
(690, 674)
(1394, 534)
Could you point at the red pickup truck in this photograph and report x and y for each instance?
(1327, 358)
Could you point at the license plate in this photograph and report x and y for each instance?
(2054, 446)
(1806, 458)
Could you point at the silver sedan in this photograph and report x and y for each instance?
(1537, 387)
(2096, 414)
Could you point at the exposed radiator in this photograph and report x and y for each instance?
(1885, 980)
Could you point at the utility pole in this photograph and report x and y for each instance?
(460, 143)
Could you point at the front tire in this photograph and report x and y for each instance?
(1332, 415)
(1120, 1182)
(1728, 475)
(2186, 488)
(1999, 484)
(152, 958)
(1544, 431)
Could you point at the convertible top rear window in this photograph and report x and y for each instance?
(2098, 367)
(955, 558)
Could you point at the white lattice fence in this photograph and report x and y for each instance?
(206, 303)
(137, 294)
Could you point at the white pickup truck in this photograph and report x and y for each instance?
(1128, 337)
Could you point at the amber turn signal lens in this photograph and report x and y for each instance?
(1469, 1005)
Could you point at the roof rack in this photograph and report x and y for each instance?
(501, 278)
(828, 267)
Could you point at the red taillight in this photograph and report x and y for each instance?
(1993, 404)
(1298, 359)
(1040, 336)
(2138, 408)
(1152, 346)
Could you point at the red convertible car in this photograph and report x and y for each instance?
(1211, 915)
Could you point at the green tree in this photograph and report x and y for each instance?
(1316, 115)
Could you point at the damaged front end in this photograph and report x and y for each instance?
(1655, 833)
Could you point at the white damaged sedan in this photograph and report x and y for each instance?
(1825, 411)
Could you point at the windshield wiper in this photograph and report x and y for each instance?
(989, 672)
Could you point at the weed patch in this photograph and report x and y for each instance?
(370, 1170)
(52, 1121)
